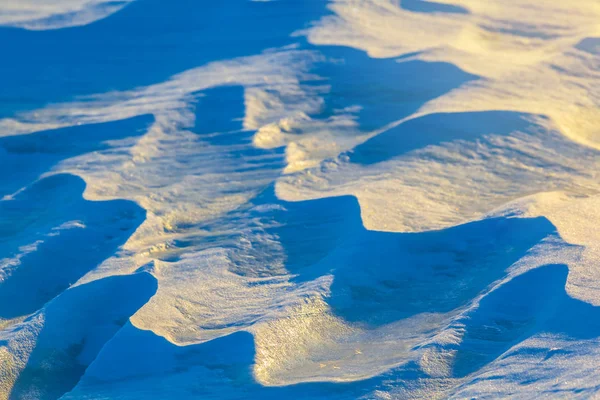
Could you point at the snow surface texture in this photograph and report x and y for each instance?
(349, 199)
(54, 14)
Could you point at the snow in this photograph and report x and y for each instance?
(51, 14)
(325, 200)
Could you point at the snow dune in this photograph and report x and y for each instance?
(328, 199)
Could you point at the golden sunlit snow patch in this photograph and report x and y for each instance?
(526, 53)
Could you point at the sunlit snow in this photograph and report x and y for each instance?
(306, 199)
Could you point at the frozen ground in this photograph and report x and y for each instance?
(307, 199)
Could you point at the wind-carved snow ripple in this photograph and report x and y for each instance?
(49, 238)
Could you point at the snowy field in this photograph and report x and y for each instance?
(299, 199)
